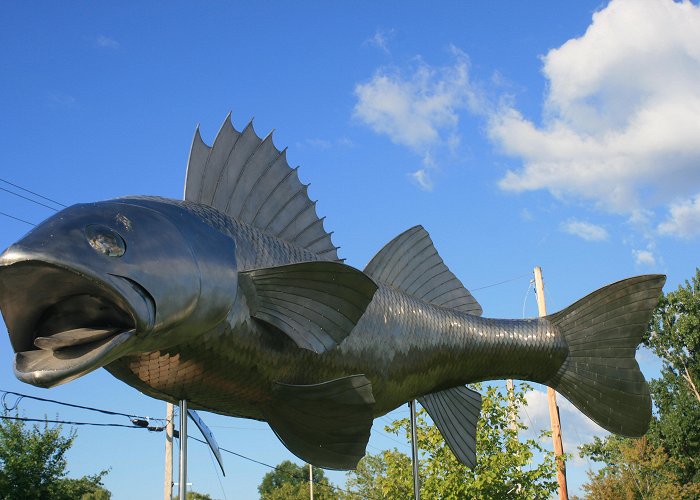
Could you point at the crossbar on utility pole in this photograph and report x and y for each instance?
(169, 426)
(552, 398)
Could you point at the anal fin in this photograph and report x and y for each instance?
(456, 412)
(327, 424)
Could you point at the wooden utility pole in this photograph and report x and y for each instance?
(552, 398)
(513, 410)
(169, 426)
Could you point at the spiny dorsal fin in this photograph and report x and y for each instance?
(410, 263)
(249, 179)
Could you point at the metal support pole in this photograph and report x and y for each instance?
(414, 450)
(168, 487)
(311, 482)
(182, 489)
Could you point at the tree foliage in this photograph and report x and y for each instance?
(291, 481)
(506, 466)
(194, 495)
(666, 462)
(33, 464)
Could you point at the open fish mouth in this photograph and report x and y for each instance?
(64, 323)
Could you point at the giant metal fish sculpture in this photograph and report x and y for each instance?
(236, 301)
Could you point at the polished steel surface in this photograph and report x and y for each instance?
(182, 477)
(414, 450)
(234, 301)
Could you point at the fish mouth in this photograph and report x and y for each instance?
(65, 322)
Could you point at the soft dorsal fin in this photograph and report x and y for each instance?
(455, 413)
(410, 263)
(249, 179)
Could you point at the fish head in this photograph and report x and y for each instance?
(94, 282)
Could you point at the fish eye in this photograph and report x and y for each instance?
(105, 240)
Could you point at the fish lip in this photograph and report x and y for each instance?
(41, 297)
(45, 368)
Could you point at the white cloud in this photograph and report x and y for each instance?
(585, 230)
(418, 110)
(644, 258)
(620, 124)
(106, 42)
(380, 39)
(59, 99)
(683, 219)
(319, 143)
(576, 428)
(423, 179)
(325, 144)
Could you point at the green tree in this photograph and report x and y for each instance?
(674, 336)
(666, 463)
(291, 481)
(33, 464)
(635, 469)
(194, 495)
(506, 467)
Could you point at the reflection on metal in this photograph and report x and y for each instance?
(235, 301)
(182, 487)
(414, 450)
(209, 437)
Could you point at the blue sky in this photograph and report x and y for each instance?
(518, 133)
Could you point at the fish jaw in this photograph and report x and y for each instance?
(65, 320)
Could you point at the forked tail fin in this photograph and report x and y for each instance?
(600, 375)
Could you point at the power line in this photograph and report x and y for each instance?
(96, 424)
(137, 423)
(82, 407)
(29, 199)
(501, 282)
(17, 218)
(277, 468)
(32, 192)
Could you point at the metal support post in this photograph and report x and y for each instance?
(414, 450)
(311, 482)
(183, 450)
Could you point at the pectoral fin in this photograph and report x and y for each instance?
(455, 413)
(316, 303)
(327, 424)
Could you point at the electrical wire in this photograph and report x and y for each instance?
(67, 422)
(501, 282)
(276, 468)
(82, 407)
(32, 192)
(29, 199)
(527, 293)
(393, 439)
(134, 425)
(17, 218)
(216, 471)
